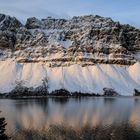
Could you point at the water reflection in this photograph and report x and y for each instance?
(77, 116)
(60, 100)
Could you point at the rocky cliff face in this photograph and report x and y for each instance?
(85, 54)
(84, 40)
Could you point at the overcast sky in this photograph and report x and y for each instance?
(125, 11)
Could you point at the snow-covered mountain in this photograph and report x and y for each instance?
(85, 54)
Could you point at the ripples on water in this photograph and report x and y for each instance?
(72, 118)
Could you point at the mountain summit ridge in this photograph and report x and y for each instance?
(84, 39)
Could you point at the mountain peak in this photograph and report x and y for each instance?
(8, 22)
(84, 40)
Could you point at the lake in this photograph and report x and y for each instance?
(62, 118)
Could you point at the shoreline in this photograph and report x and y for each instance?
(44, 93)
(62, 96)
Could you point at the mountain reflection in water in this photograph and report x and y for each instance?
(72, 118)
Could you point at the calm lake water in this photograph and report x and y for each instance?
(88, 118)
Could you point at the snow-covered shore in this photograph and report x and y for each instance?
(89, 79)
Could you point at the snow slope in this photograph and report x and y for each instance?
(89, 79)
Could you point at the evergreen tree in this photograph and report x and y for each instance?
(3, 123)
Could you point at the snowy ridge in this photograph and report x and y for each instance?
(90, 79)
(83, 40)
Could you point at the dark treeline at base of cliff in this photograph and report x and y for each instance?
(61, 92)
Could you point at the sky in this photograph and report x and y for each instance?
(125, 11)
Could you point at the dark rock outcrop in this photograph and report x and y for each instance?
(33, 23)
(7, 39)
(9, 23)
